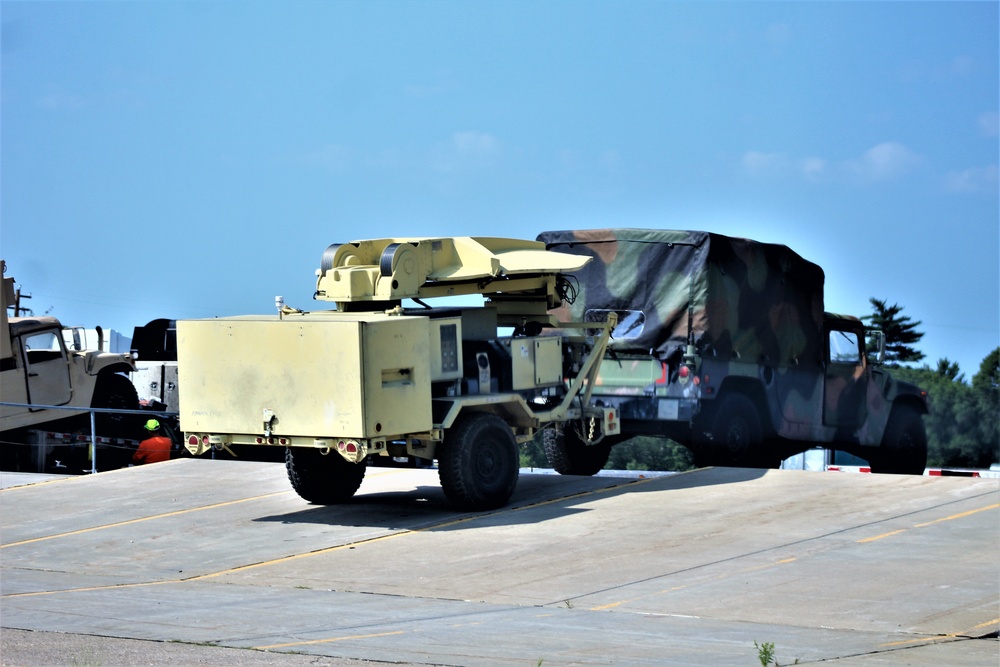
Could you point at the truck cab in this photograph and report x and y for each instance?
(38, 372)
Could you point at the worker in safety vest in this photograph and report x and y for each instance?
(156, 446)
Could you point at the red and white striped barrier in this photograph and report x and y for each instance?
(83, 439)
(960, 472)
(848, 469)
(930, 472)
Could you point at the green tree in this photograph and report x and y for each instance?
(533, 453)
(949, 369)
(986, 384)
(649, 453)
(963, 427)
(900, 332)
(638, 453)
(988, 377)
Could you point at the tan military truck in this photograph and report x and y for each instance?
(386, 374)
(38, 370)
(723, 345)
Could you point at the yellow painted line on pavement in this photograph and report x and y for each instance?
(339, 547)
(330, 640)
(409, 531)
(783, 561)
(130, 522)
(883, 535)
(88, 589)
(949, 636)
(284, 559)
(612, 605)
(160, 516)
(584, 494)
(293, 557)
(960, 515)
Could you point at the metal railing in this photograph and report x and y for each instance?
(93, 426)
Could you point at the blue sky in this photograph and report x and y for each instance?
(164, 159)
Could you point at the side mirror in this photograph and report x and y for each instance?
(876, 343)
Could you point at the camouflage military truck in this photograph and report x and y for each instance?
(384, 377)
(723, 345)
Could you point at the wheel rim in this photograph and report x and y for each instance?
(486, 460)
(737, 437)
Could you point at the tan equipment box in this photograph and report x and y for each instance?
(321, 375)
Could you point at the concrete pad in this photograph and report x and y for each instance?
(11, 479)
(866, 568)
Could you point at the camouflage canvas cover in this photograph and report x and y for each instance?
(729, 297)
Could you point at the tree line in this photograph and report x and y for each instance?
(963, 427)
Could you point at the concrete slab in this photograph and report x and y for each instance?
(857, 569)
(11, 479)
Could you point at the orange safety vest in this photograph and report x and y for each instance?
(153, 450)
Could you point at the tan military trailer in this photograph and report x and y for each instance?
(723, 345)
(38, 370)
(386, 374)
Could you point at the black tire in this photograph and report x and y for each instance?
(904, 444)
(478, 462)
(323, 479)
(116, 392)
(568, 455)
(734, 430)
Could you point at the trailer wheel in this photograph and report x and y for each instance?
(735, 431)
(478, 462)
(116, 392)
(904, 444)
(322, 479)
(568, 455)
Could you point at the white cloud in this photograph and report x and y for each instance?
(959, 67)
(465, 150)
(611, 159)
(976, 179)
(329, 156)
(777, 34)
(59, 101)
(442, 82)
(813, 167)
(758, 163)
(475, 143)
(989, 123)
(885, 161)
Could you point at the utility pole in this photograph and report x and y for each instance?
(17, 303)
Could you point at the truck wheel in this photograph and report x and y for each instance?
(568, 455)
(735, 431)
(322, 479)
(904, 444)
(115, 391)
(478, 462)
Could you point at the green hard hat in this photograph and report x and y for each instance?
(152, 425)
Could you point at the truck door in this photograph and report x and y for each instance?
(46, 368)
(846, 383)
